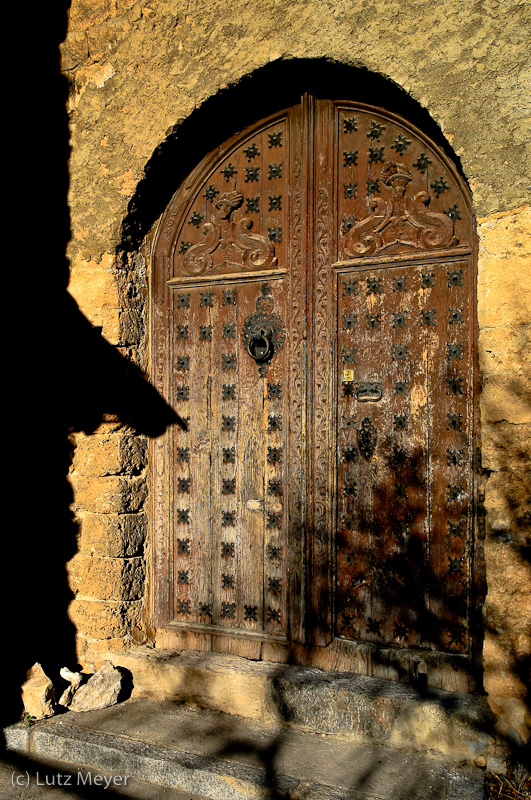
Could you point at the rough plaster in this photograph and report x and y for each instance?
(137, 70)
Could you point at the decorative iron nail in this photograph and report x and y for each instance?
(373, 321)
(455, 315)
(455, 565)
(227, 549)
(182, 331)
(454, 350)
(229, 331)
(376, 130)
(399, 457)
(455, 636)
(401, 144)
(400, 387)
(349, 288)
(253, 205)
(252, 151)
(400, 283)
(182, 392)
(183, 547)
(184, 247)
(229, 297)
(273, 614)
(347, 522)
(196, 219)
(350, 190)
(229, 455)
(275, 202)
(400, 630)
(274, 455)
(376, 154)
(439, 186)
(350, 157)
(183, 300)
(399, 352)
(348, 388)
(350, 124)
(228, 519)
(206, 299)
(228, 171)
(366, 437)
(348, 222)
(348, 621)
(275, 487)
(185, 423)
(427, 318)
(251, 613)
(350, 455)
(400, 422)
(349, 321)
(227, 581)
(428, 280)
(275, 586)
(456, 528)
(400, 527)
(274, 422)
(183, 454)
(182, 577)
(455, 385)
(349, 356)
(349, 421)
(275, 171)
(228, 423)
(374, 626)
(274, 391)
(210, 193)
(205, 332)
(228, 361)
(399, 319)
(351, 557)
(228, 486)
(453, 212)
(374, 286)
(274, 519)
(275, 139)
(373, 186)
(275, 551)
(455, 277)
(275, 234)
(455, 422)
(401, 490)
(183, 363)
(456, 458)
(183, 485)
(183, 516)
(252, 174)
(422, 163)
(205, 609)
(350, 489)
(228, 610)
(454, 492)
(228, 392)
(183, 607)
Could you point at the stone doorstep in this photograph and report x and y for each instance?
(228, 758)
(361, 708)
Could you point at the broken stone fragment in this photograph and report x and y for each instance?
(100, 691)
(75, 679)
(38, 693)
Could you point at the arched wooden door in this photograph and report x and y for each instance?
(313, 326)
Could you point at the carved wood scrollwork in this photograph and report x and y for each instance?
(399, 219)
(229, 243)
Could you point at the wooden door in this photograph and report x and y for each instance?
(313, 327)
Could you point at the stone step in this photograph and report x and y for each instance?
(223, 757)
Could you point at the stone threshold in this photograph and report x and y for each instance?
(223, 757)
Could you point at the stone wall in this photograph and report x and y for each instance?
(136, 72)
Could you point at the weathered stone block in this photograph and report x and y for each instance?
(108, 495)
(505, 446)
(107, 578)
(94, 287)
(506, 397)
(104, 619)
(114, 535)
(504, 351)
(101, 455)
(38, 694)
(100, 691)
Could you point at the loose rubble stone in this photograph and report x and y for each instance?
(75, 681)
(38, 694)
(100, 691)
